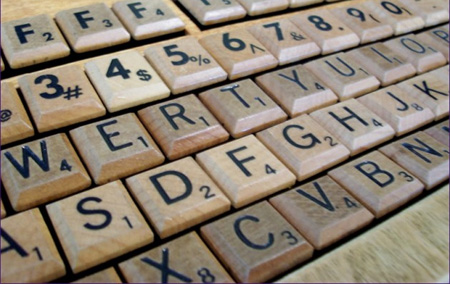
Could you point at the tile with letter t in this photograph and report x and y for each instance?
(433, 12)
(256, 243)
(115, 148)
(177, 196)
(98, 225)
(440, 132)
(261, 7)
(437, 38)
(209, 12)
(41, 171)
(29, 254)
(108, 275)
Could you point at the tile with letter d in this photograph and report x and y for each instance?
(260, 7)
(209, 12)
(440, 132)
(437, 38)
(108, 275)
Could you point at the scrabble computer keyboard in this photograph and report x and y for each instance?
(224, 141)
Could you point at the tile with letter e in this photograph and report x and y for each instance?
(177, 196)
(437, 38)
(147, 19)
(354, 125)
(422, 155)
(209, 12)
(115, 148)
(41, 171)
(261, 7)
(303, 146)
(239, 53)
(29, 254)
(108, 275)
(256, 243)
(377, 182)
(433, 12)
(15, 122)
(98, 225)
(183, 260)
(32, 40)
(184, 64)
(60, 97)
(440, 132)
(91, 27)
(125, 80)
(322, 211)
(245, 170)
(182, 126)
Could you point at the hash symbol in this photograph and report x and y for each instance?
(72, 93)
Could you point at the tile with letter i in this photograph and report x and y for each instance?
(41, 171)
(209, 12)
(29, 254)
(184, 64)
(125, 80)
(184, 260)
(108, 275)
(60, 97)
(437, 38)
(98, 225)
(239, 53)
(440, 132)
(256, 243)
(32, 40)
(433, 12)
(261, 7)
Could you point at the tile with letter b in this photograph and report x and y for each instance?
(209, 12)
(437, 38)
(256, 243)
(440, 132)
(261, 7)
(433, 12)
(29, 254)
(108, 275)
(41, 171)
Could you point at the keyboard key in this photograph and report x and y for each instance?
(209, 12)
(177, 196)
(98, 225)
(257, 243)
(29, 254)
(440, 132)
(260, 7)
(41, 171)
(432, 12)
(302, 3)
(108, 275)
(437, 38)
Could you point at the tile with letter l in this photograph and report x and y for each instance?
(98, 225)
(322, 211)
(29, 254)
(209, 12)
(377, 182)
(433, 12)
(440, 132)
(41, 171)
(115, 148)
(177, 196)
(256, 243)
(185, 259)
(261, 7)
(437, 38)
(108, 275)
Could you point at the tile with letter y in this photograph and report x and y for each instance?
(209, 12)
(108, 275)
(437, 38)
(440, 132)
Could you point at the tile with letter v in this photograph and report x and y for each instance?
(209, 12)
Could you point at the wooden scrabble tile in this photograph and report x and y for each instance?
(91, 27)
(183, 126)
(239, 53)
(395, 106)
(32, 40)
(41, 171)
(302, 3)
(15, 122)
(60, 97)
(3, 211)
(115, 148)
(242, 107)
(377, 182)
(245, 170)
(177, 196)
(285, 40)
(108, 275)
(125, 80)
(256, 243)
(442, 73)
(184, 64)
(147, 19)
(346, 77)
(354, 125)
(209, 12)
(303, 146)
(296, 90)
(437, 38)
(185, 259)
(260, 7)
(422, 155)
(440, 132)
(432, 12)
(383, 62)
(326, 30)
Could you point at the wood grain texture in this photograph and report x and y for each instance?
(440, 132)
(433, 12)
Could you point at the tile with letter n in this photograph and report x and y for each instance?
(98, 225)
(41, 171)
(433, 12)
(261, 7)
(184, 260)
(177, 196)
(256, 244)
(358, 128)
(209, 12)
(108, 275)
(423, 156)
(245, 170)
(440, 132)
(28, 254)
(184, 64)
(437, 38)
(60, 97)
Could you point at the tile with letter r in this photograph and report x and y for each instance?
(433, 12)
(440, 132)
(29, 254)
(108, 275)
(185, 259)
(41, 171)
(256, 243)
(98, 225)
(437, 38)
(209, 12)
(177, 196)
(261, 7)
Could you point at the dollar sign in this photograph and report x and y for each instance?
(143, 75)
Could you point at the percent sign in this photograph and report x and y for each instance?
(199, 59)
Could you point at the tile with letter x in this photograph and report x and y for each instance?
(209, 12)
(98, 225)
